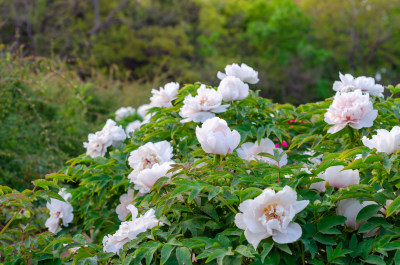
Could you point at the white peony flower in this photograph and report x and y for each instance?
(320, 185)
(215, 137)
(129, 230)
(124, 112)
(384, 141)
(111, 134)
(150, 154)
(163, 98)
(132, 127)
(232, 88)
(145, 179)
(114, 133)
(59, 210)
(142, 110)
(250, 151)
(271, 214)
(125, 199)
(350, 208)
(96, 146)
(243, 72)
(353, 108)
(348, 83)
(203, 106)
(336, 177)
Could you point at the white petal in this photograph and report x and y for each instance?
(292, 234)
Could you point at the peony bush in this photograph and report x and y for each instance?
(188, 179)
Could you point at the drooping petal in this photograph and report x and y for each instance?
(292, 234)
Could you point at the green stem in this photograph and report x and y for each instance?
(217, 160)
(9, 222)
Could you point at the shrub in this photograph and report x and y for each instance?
(46, 112)
(196, 212)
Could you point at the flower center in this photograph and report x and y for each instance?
(271, 212)
(202, 100)
(149, 160)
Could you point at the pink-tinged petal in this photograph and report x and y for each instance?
(293, 233)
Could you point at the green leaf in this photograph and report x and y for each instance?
(219, 254)
(183, 256)
(373, 259)
(325, 224)
(79, 238)
(368, 212)
(393, 207)
(266, 249)
(244, 250)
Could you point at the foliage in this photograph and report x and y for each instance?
(46, 112)
(199, 202)
(296, 43)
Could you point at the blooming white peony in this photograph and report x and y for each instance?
(124, 112)
(353, 108)
(97, 145)
(215, 137)
(250, 151)
(114, 133)
(111, 134)
(129, 230)
(125, 199)
(271, 214)
(384, 141)
(150, 154)
(150, 162)
(145, 179)
(348, 83)
(232, 88)
(202, 106)
(350, 208)
(132, 127)
(243, 72)
(142, 110)
(59, 210)
(163, 98)
(336, 177)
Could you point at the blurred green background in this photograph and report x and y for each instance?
(66, 65)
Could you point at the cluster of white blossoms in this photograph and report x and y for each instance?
(130, 229)
(233, 83)
(150, 162)
(98, 142)
(124, 112)
(348, 83)
(384, 141)
(59, 210)
(208, 101)
(271, 214)
(251, 151)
